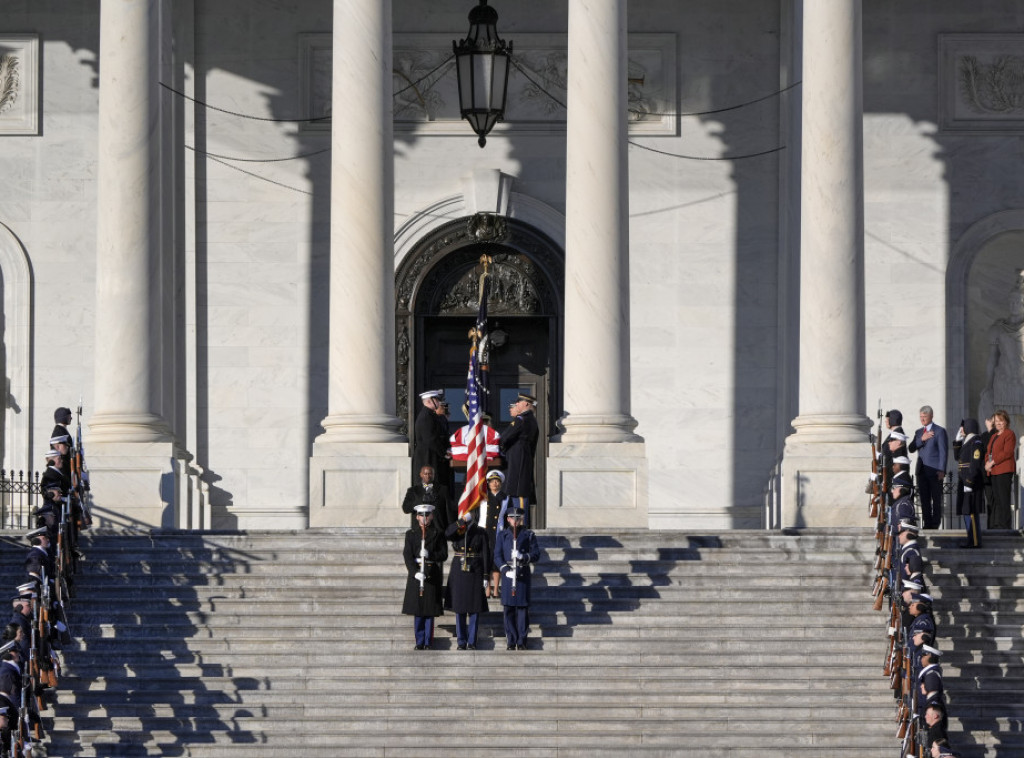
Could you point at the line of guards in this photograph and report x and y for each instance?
(912, 657)
(29, 661)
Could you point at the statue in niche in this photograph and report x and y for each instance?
(1004, 372)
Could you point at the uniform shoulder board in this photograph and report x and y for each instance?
(513, 422)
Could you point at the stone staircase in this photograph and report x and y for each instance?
(734, 644)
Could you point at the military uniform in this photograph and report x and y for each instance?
(430, 442)
(923, 623)
(970, 492)
(911, 563)
(518, 446)
(516, 601)
(467, 577)
(445, 509)
(929, 686)
(428, 605)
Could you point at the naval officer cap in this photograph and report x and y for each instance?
(912, 586)
(524, 398)
(516, 511)
(902, 479)
(933, 651)
(906, 525)
(901, 459)
(62, 439)
(36, 533)
(424, 509)
(51, 453)
(432, 393)
(495, 474)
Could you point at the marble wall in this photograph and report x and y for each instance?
(710, 352)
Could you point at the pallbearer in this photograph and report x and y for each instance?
(515, 549)
(467, 578)
(425, 554)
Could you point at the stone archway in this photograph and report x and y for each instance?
(16, 346)
(436, 302)
(981, 236)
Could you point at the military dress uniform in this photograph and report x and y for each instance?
(518, 447)
(516, 601)
(430, 442)
(467, 577)
(924, 623)
(428, 605)
(970, 493)
(929, 687)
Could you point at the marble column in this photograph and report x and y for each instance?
(826, 461)
(362, 452)
(131, 448)
(598, 440)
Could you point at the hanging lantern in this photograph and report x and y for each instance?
(482, 63)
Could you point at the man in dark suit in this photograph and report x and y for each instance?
(518, 446)
(931, 443)
(430, 492)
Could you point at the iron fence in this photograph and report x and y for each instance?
(19, 496)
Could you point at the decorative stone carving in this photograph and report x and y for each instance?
(512, 291)
(425, 86)
(981, 80)
(994, 88)
(487, 227)
(19, 84)
(1004, 373)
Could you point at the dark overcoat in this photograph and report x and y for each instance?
(430, 443)
(445, 509)
(526, 541)
(518, 446)
(430, 604)
(467, 574)
(971, 465)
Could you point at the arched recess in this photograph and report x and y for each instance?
(962, 258)
(16, 343)
(431, 274)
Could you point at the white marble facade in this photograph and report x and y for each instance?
(714, 328)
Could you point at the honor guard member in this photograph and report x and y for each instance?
(515, 549)
(10, 681)
(52, 482)
(62, 417)
(467, 578)
(911, 562)
(929, 680)
(38, 557)
(922, 629)
(494, 520)
(902, 508)
(935, 740)
(425, 553)
(518, 446)
(970, 491)
(895, 443)
(430, 437)
(22, 616)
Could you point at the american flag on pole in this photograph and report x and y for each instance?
(476, 439)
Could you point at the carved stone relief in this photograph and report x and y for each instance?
(425, 85)
(981, 77)
(19, 84)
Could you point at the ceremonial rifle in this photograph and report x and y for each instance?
(423, 557)
(515, 552)
(876, 450)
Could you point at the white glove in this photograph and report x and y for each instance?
(423, 553)
(968, 489)
(517, 555)
(420, 576)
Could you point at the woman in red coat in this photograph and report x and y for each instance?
(1000, 463)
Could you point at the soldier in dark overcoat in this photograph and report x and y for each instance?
(518, 447)
(515, 549)
(425, 553)
(494, 520)
(430, 438)
(970, 490)
(467, 578)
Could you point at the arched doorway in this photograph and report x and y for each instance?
(435, 289)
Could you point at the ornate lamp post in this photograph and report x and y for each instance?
(482, 63)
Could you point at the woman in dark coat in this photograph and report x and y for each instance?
(425, 553)
(467, 578)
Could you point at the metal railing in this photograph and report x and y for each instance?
(952, 520)
(19, 496)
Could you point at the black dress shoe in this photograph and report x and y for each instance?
(471, 647)
(520, 647)
(419, 647)
(511, 647)
(461, 647)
